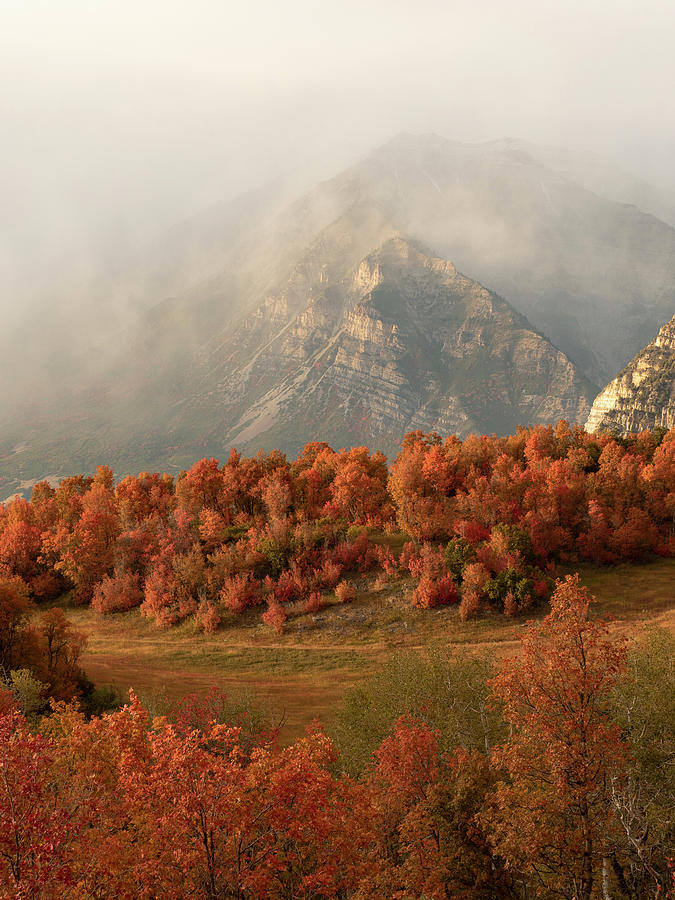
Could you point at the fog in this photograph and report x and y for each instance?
(120, 119)
(130, 128)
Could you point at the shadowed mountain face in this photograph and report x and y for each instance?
(642, 396)
(213, 364)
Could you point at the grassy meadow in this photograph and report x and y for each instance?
(303, 673)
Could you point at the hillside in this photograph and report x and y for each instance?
(303, 673)
(642, 396)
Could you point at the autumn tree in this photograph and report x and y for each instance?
(432, 844)
(15, 608)
(552, 818)
(359, 488)
(35, 830)
(61, 646)
(85, 553)
(420, 482)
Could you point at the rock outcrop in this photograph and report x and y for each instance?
(400, 342)
(642, 396)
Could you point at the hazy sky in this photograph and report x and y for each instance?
(121, 116)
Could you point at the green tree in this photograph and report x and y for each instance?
(445, 689)
(644, 706)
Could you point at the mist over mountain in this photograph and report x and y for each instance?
(604, 177)
(591, 273)
(233, 304)
(402, 342)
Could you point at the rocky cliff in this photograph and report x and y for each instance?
(400, 341)
(642, 396)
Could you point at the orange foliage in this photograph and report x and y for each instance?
(221, 531)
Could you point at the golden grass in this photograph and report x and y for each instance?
(303, 673)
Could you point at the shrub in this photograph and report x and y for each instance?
(285, 588)
(345, 591)
(476, 576)
(386, 560)
(239, 592)
(470, 604)
(313, 603)
(207, 618)
(275, 616)
(116, 593)
(458, 554)
(358, 553)
(518, 588)
(432, 592)
(408, 557)
(329, 574)
(159, 597)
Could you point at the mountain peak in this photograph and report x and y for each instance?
(407, 146)
(402, 251)
(403, 342)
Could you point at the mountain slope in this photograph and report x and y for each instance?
(603, 177)
(402, 341)
(642, 396)
(596, 276)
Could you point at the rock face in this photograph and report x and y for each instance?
(401, 341)
(642, 396)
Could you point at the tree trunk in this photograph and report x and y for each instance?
(605, 879)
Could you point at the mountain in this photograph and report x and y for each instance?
(186, 377)
(348, 350)
(594, 275)
(642, 396)
(402, 341)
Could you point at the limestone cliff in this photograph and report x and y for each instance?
(642, 396)
(400, 341)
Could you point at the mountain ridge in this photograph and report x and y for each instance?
(642, 396)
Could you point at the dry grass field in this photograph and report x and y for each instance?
(302, 674)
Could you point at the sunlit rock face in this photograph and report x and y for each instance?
(642, 396)
(402, 341)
